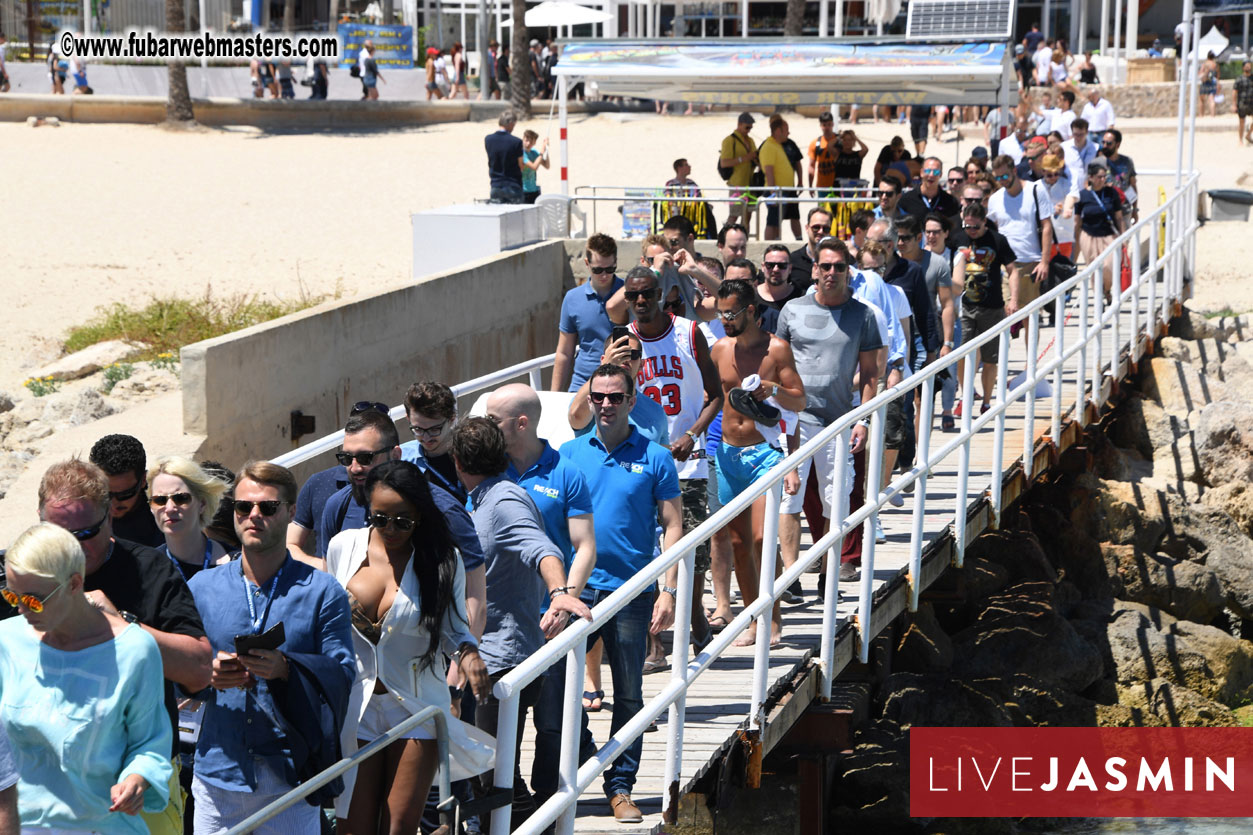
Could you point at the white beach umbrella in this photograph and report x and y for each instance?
(563, 13)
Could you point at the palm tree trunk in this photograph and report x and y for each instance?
(289, 15)
(794, 22)
(178, 104)
(520, 63)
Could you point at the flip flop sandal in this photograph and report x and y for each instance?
(655, 665)
(717, 624)
(592, 700)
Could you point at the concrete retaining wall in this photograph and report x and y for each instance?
(239, 390)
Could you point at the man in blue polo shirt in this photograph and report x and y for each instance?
(565, 505)
(632, 481)
(584, 323)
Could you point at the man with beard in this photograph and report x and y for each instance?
(370, 438)
(745, 455)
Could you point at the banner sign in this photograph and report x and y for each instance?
(393, 45)
(779, 73)
(1080, 772)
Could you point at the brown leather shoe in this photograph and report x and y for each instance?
(624, 811)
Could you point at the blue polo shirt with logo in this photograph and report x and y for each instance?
(583, 314)
(626, 482)
(559, 491)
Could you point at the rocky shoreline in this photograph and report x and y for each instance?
(1118, 593)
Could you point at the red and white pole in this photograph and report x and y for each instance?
(563, 92)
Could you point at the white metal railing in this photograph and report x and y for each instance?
(1147, 299)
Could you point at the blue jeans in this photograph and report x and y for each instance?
(626, 645)
(506, 194)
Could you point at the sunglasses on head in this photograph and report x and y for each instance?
(837, 266)
(650, 293)
(614, 397)
(603, 270)
(362, 458)
(31, 601)
(179, 499)
(368, 406)
(123, 495)
(84, 534)
(382, 520)
(243, 508)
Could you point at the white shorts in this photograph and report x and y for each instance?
(824, 463)
(217, 810)
(384, 712)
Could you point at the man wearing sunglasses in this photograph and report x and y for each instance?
(1024, 216)
(124, 461)
(678, 273)
(955, 181)
(136, 583)
(585, 323)
(1122, 170)
(264, 703)
(834, 338)
(632, 483)
(518, 554)
(817, 227)
(776, 289)
(370, 438)
(929, 197)
(744, 454)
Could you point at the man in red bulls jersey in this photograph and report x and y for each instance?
(675, 371)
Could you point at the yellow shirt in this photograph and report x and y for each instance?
(772, 153)
(737, 145)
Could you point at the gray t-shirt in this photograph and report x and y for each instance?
(826, 342)
(937, 272)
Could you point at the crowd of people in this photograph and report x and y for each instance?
(195, 642)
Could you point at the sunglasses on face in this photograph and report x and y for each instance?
(614, 397)
(972, 225)
(636, 353)
(1052, 174)
(838, 266)
(603, 270)
(129, 493)
(243, 508)
(368, 406)
(382, 520)
(362, 458)
(775, 265)
(84, 534)
(179, 499)
(952, 181)
(934, 172)
(426, 431)
(820, 228)
(1002, 178)
(650, 293)
(672, 307)
(31, 601)
(904, 239)
(729, 315)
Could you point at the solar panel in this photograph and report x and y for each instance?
(983, 19)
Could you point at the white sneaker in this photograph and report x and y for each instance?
(879, 536)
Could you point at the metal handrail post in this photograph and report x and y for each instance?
(1059, 372)
(677, 718)
(963, 458)
(571, 730)
(923, 456)
(506, 743)
(1136, 276)
(831, 590)
(1081, 372)
(998, 444)
(1158, 270)
(765, 588)
(1115, 330)
(873, 472)
(1028, 435)
(1098, 323)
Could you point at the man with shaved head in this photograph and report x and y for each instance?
(564, 500)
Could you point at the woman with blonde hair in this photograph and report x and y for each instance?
(81, 697)
(184, 499)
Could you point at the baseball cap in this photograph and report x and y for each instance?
(980, 152)
(1038, 140)
(534, 42)
(746, 118)
(1019, 49)
(430, 50)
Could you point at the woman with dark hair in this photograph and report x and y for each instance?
(406, 587)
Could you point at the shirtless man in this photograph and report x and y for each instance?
(745, 455)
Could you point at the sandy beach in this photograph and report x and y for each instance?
(102, 213)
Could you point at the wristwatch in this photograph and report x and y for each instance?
(692, 435)
(948, 344)
(672, 591)
(129, 617)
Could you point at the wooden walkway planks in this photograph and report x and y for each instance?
(718, 701)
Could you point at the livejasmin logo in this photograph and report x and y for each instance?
(1081, 772)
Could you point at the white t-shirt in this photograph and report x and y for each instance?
(1100, 116)
(1042, 58)
(1061, 123)
(1063, 227)
(1015, 218)
(1058, 72)
(1010, 145)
